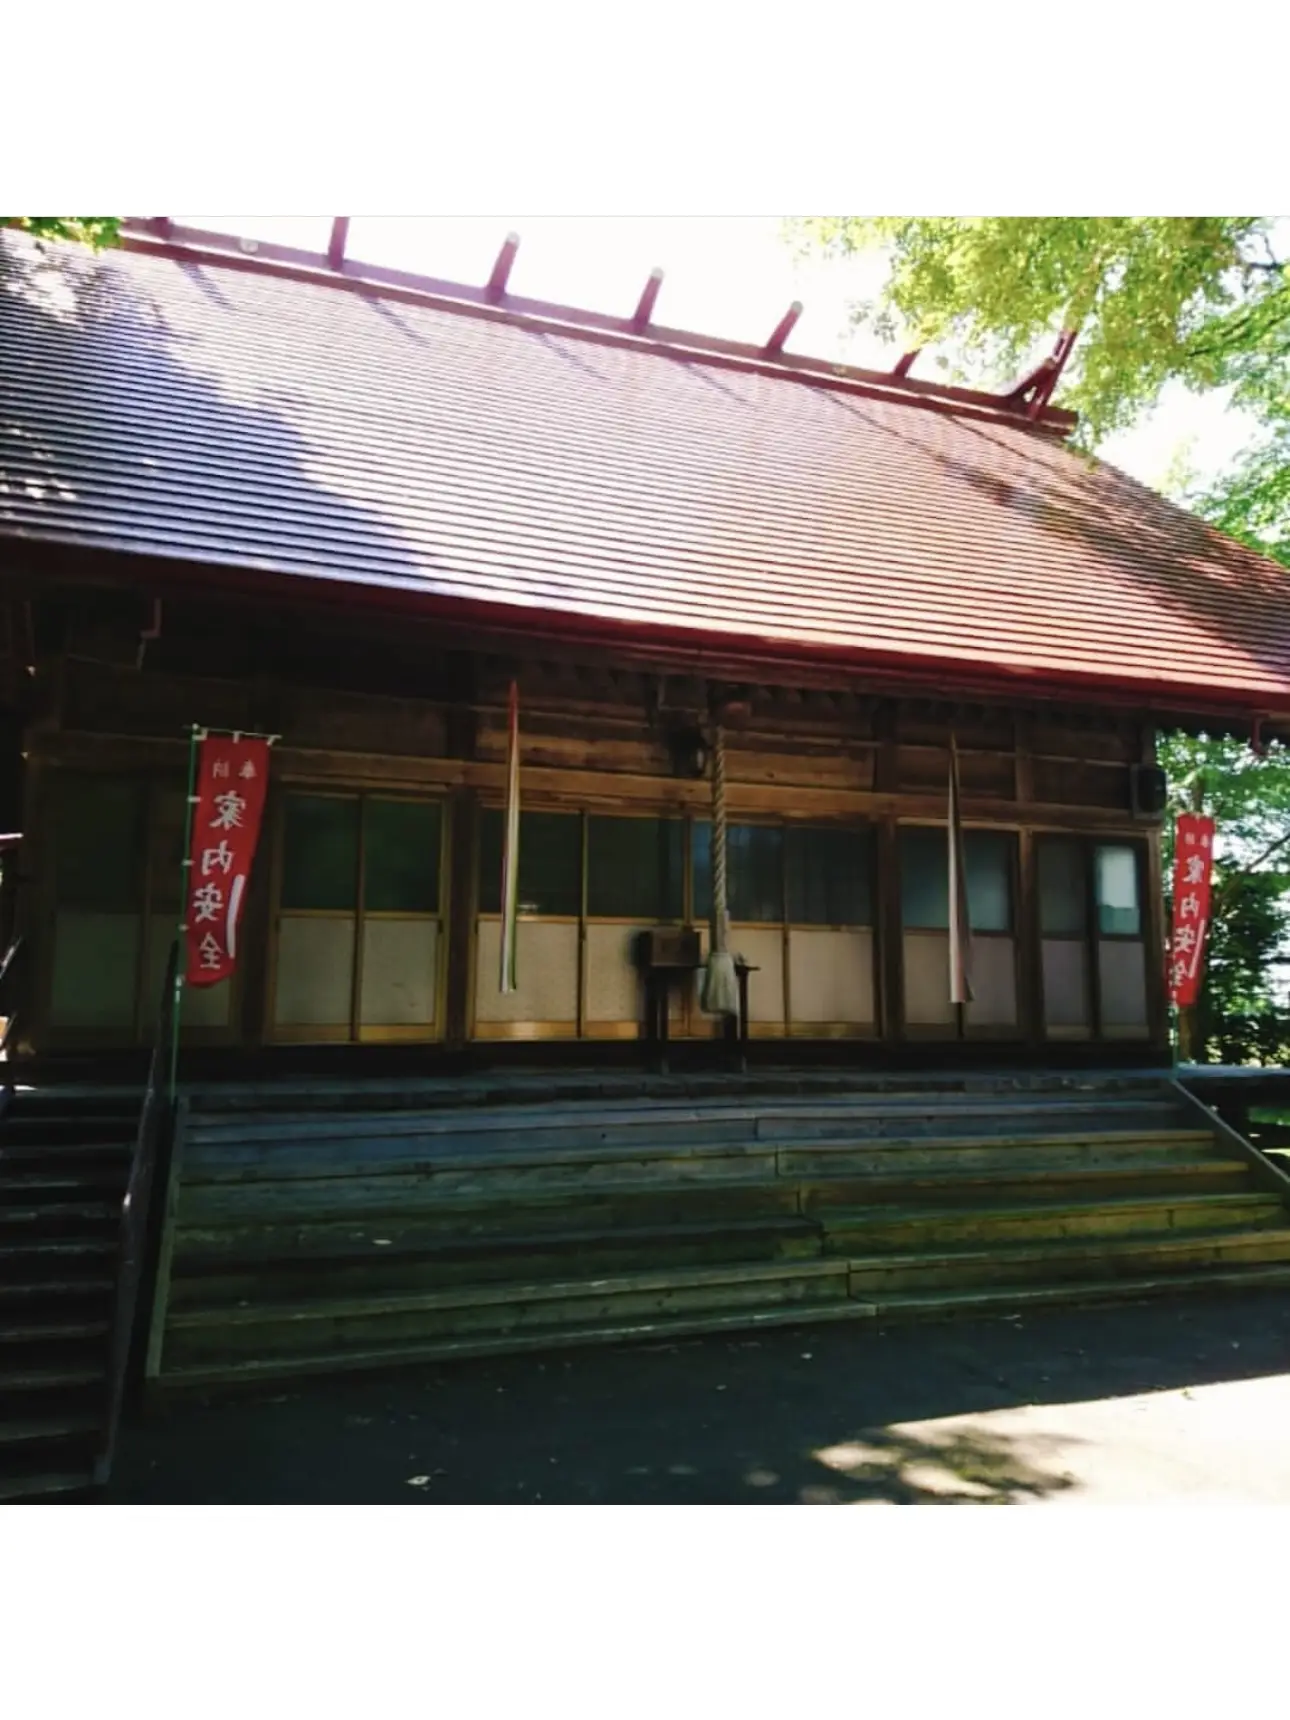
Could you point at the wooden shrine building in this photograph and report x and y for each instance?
(270, 492)
(277, 492)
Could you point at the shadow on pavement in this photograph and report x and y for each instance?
(825, 1414)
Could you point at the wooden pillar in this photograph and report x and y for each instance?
(463, 846)
(34, 894)
(461, 730)
(1030, 1001)
(887, 921)
(252, 1022)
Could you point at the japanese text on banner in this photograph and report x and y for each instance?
(1193, 869)
(232, 775)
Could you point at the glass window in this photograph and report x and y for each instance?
(755, 872)
(99, 843)
(320, 852)
(1063, 908)
(550, 862)
(401, 857)
(988, 857)
(924, 880)
(829, 872)
(1118, 909)
(634, 868)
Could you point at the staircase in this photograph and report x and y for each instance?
(64, 1164)
(308, 1241)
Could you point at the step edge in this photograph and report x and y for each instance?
(492, 1294)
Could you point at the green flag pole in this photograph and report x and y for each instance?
(185, 870)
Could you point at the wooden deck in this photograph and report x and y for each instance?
(316, 1231)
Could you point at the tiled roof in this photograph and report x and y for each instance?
(237, 419)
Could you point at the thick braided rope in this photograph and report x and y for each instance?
(720, 913)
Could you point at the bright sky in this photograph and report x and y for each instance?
(724, 275)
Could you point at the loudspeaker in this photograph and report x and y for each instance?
(1148, 790)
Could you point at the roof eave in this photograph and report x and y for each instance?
(665, 646)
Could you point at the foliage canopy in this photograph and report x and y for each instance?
(1204, 300)
(94, 230)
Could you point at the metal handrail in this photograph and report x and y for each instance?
(8, 965)
(7, 962)
(137, 1231)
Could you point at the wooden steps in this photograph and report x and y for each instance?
(1018, 1298)
(267, 1369)
(1152, 1175)
(911, 1230)
(64, 1162)
(339, 1265)
(495, 1319)
(1067, 1260)
(495, 1311)
(312, 1240)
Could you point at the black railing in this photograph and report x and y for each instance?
(136, 1244)
(9, 1010)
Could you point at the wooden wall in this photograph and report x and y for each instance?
(393, 710)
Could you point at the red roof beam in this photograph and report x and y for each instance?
(905, 363)
(496, 287)
(336, 243)
(1036, 390)
(784, 327)
(195, 245)
(648, 299)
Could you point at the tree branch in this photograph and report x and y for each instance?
(1238, 327)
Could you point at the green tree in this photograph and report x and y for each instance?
(1251, 501)
(94, 230)
(1203, 300)
(1239, 1015)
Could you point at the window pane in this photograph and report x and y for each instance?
(401, 857)
(988, 854)
(99, 843)
(634, 868)
(828, 876)
(550, 862)
(754, 865)
(1062, 901)
(924, 880)
(1118, 909)
(320, 852)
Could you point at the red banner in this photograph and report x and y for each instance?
(1193, 866)
(232, 775)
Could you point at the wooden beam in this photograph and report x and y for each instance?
(645, 306)
(195, 245)
(1036, 390)
(905, 363)
(336, 244)
(496, 287)
(784, 327)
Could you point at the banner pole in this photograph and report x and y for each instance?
(185, 871)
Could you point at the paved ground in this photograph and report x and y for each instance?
(1186, 1401)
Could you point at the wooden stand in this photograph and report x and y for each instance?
(667, 960)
